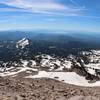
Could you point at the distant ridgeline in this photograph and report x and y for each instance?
(17, 45)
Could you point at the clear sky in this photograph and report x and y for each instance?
(65, 15)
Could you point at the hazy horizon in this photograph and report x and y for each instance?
(65, 15)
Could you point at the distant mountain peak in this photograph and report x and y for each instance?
(22, 43)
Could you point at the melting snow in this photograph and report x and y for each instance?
(20, 69)
(22, 43)
(68, 77)
(91, 71)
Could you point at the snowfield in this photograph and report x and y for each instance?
(67, 77)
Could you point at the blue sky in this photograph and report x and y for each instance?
(64, 15)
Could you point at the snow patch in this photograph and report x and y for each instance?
(22, 43)
(67, 77)
(20, 69)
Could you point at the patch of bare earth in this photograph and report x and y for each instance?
(15, 88)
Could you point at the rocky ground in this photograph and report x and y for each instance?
(44, 89)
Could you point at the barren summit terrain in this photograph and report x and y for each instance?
(44, 89)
